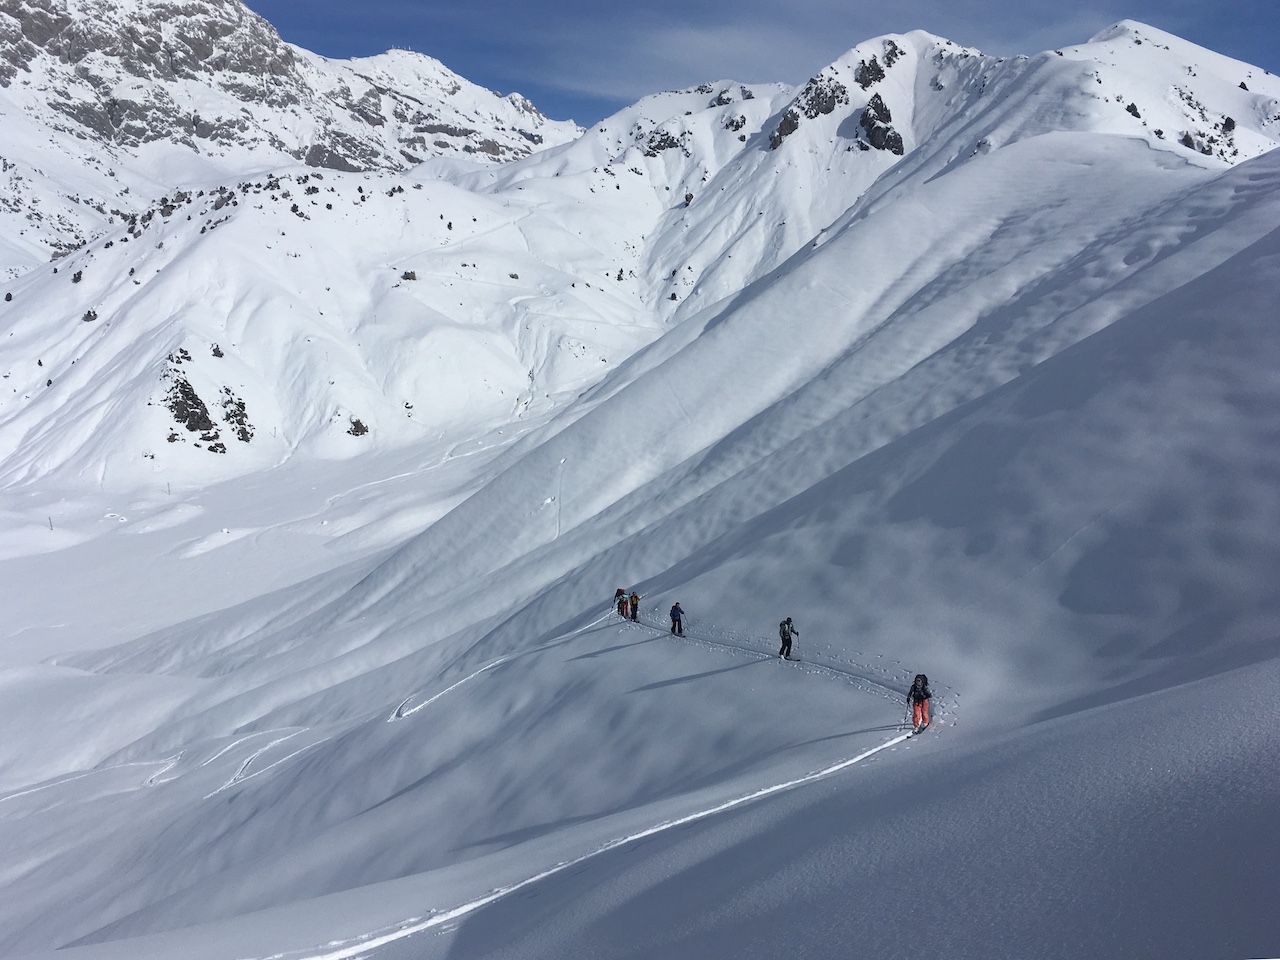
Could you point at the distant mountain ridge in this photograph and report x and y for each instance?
(339, 310)
(212, 75)
(132, 91)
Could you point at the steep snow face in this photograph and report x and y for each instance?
(717, 186)
(333, 315)
(1063, 508)
(177, 91)
(1180, 92)
(217, 329)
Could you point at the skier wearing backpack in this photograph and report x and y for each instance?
(786, 630)
(918, 697)
(635, 605)
(620, 601)
(677, 620)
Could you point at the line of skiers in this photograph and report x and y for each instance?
(628, 607)
(918, 697)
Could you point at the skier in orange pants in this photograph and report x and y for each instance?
(918, 696)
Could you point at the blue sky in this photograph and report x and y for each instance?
(586, 58)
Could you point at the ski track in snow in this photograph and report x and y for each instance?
(361, 945)
(169, 763)
(344, 949)
(166, 765)
(400, 712)
(230, 746)
(242, 775)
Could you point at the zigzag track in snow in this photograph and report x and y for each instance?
(165, 765)
(242, 773)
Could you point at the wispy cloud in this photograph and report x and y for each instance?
(594, 57)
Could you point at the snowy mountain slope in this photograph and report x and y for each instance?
(768, 169)
(223, 330)
(1016, 545)
(869, 359)
(1091, 836)
(611, 241)
(892, 537)
(1007, 415)
(104, 100)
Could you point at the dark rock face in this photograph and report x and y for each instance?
(235, 415)
(188, 409)
(191, 412)
(661, 140)
(876, 121)
(877, 112)
(869, 73)
(821, 95)
(788, 125)
(202, 37)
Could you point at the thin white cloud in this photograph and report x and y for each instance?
(614, 60)
(681, 55)
(605, 54)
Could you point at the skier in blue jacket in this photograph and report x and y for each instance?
(677, 620)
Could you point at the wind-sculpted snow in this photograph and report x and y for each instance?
(1001, 408)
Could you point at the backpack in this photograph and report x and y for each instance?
(784, 630)
(923, 681)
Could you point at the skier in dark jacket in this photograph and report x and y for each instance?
(786, 630)
(918, 696)
(620, 601)
(677, 620)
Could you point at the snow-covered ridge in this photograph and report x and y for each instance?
(211, 75)
(102, 101)
(446, 302)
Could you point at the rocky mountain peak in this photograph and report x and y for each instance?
(150, 40)
(131, 72)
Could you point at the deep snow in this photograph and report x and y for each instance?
(1002, 409)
